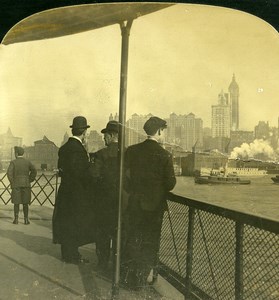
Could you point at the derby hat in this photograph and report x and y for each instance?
(153, 124)
(79, 122)
(112, 126)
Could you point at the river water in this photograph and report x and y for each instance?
(260, 198)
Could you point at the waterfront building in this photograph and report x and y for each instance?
(134, 129)
(239, 137)
(221, 117)
(185, 131)
(262, 130)
(95, 141)
(199, 133)
(207, 137)
(274, 138)
(234, 102)
(194, 162)
(219, 143)
(44, 154)
(65, 138)
(7, 143)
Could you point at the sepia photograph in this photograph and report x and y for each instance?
(139, 150)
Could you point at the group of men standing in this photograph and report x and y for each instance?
(86, 208)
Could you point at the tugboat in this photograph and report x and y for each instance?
(275, 179)
(221, 178)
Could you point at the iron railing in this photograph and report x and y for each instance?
(209, 252)
(206, 251)
(43, 189)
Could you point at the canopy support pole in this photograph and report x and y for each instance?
(125, 32)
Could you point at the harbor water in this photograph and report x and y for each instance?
(260, 198)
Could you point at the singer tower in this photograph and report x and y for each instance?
(234, 97)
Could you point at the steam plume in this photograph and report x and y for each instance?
(258, 148)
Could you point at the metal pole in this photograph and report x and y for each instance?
(125, 31)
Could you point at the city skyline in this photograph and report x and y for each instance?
(180, 59)
(112, 116)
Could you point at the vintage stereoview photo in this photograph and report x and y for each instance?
(139, 152)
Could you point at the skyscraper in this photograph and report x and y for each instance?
(185, 131)
(221, 117)
(234, 101)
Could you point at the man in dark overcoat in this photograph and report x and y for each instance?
(21, 172)
(73, 216)
(106, 173)
(150, 175)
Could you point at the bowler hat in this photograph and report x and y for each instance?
(112, 126)
(79, 122)
(19, 150)
(153, 124)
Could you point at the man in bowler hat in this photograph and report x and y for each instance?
(73, 213)
(21, 172)
(150, 175)
(106, 173)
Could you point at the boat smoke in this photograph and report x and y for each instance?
(257, 149)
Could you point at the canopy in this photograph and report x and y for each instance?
(14, 15)
(75, 19)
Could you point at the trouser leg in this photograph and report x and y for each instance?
(151, 231)
(25, 213)
(69, 252)
(16, 212)
(103, 247)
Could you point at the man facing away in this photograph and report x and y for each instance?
(21, 172)
(73, 217)
(150, 175)
(106, 173)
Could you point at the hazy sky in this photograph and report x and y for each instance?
(179, 61)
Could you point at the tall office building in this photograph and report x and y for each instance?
(234, 102)
(114, 118)
(185, 131)
(134, 129)
(221, 117)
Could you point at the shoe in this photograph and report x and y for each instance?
(26, 221)
(77, 261)
(15, 221)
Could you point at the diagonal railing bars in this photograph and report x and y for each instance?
(43, 189)
(226, 254)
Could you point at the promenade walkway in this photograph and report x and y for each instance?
(31, 267)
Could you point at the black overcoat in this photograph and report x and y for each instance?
(150, 175)
(73, 216)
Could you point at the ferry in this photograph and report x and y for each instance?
(247, 172)
(241, 172)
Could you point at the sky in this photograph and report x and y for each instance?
(180, 59)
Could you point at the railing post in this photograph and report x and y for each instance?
(189, 257)
(56, 186)
(239, 227)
